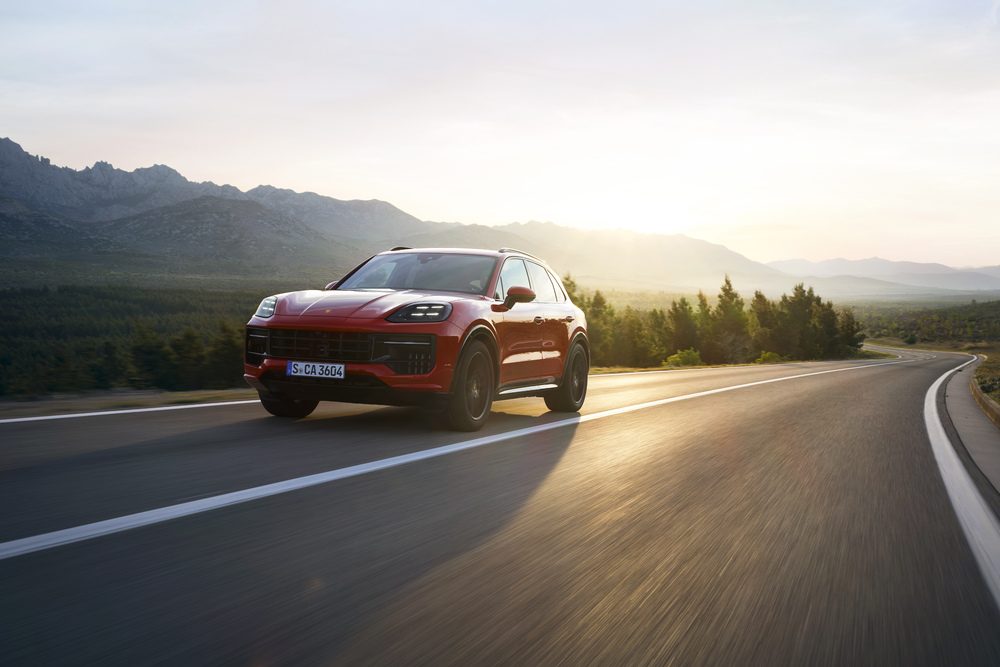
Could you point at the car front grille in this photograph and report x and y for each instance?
(319, 345)
(405, 354)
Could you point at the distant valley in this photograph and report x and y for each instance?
(152, 226)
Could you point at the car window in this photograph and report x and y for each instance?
(448, 272)
(560, 290)
(513, 274)
(540, 282)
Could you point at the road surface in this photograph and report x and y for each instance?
(751, 519)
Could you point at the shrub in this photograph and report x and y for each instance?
(688, 357)
(769, 358)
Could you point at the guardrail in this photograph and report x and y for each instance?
(989, 406)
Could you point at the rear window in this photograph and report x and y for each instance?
(560, 290)
(541, 284)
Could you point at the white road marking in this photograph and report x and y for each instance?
(191, 406)
(128, 411)
(724, 367)
(976, 518)
(90, 531)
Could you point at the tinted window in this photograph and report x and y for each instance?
(513, 274)
(445, 272)
(540, 282)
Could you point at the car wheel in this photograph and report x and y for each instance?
(295, 408)
(572, 390)
(472, 389)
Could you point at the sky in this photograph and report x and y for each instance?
(779, 129)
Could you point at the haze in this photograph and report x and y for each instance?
(780, 129)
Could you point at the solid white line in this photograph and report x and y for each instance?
(976, 518)
(725, 367)
(89, 531)
(128, 411)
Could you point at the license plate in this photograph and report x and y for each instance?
(312, 369)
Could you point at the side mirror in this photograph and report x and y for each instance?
(518, 295)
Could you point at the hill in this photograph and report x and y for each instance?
(153, 226)
(912, 274)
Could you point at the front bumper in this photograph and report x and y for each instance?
(365, 381)
(353, 389)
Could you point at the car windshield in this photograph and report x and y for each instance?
(443, 272)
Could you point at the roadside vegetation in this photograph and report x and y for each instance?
(988, 375)
(72, 339)
(796, 327)
(972, 328)
(973, 322)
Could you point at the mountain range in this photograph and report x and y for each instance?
(152, 225)
(914, 274)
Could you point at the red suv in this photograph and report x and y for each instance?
(453, 329)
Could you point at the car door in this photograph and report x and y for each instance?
(549, 321)
(520, 337)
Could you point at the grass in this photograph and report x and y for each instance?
(988, 375)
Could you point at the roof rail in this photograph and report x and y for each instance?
(400, 247)
(520, 252)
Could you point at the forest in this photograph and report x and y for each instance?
(969, 323)
(725, 330)
(70, 339)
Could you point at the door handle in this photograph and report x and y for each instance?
(539, 320)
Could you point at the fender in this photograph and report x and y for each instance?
(581, 336)
(483, 329)
(578, 336)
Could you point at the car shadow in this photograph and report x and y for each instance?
(294, 577)
(153, 472)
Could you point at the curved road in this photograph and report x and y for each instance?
(752, 519)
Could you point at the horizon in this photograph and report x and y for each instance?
(779, 132)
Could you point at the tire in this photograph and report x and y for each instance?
(292, 408)
(472, 389)
(572, 391)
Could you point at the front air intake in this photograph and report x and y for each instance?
(404, 354)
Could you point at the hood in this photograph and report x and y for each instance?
(368, 304)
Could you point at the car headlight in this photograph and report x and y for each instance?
(266, 307)
(422, 312)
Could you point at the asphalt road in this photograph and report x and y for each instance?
(791, 522)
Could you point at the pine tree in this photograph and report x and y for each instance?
(764, 325)
(729, 325)
(709, 348)
(601, 329)
(826, 333)
(849, 332)
(683, 327)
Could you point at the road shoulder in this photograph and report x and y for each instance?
(976, 438)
